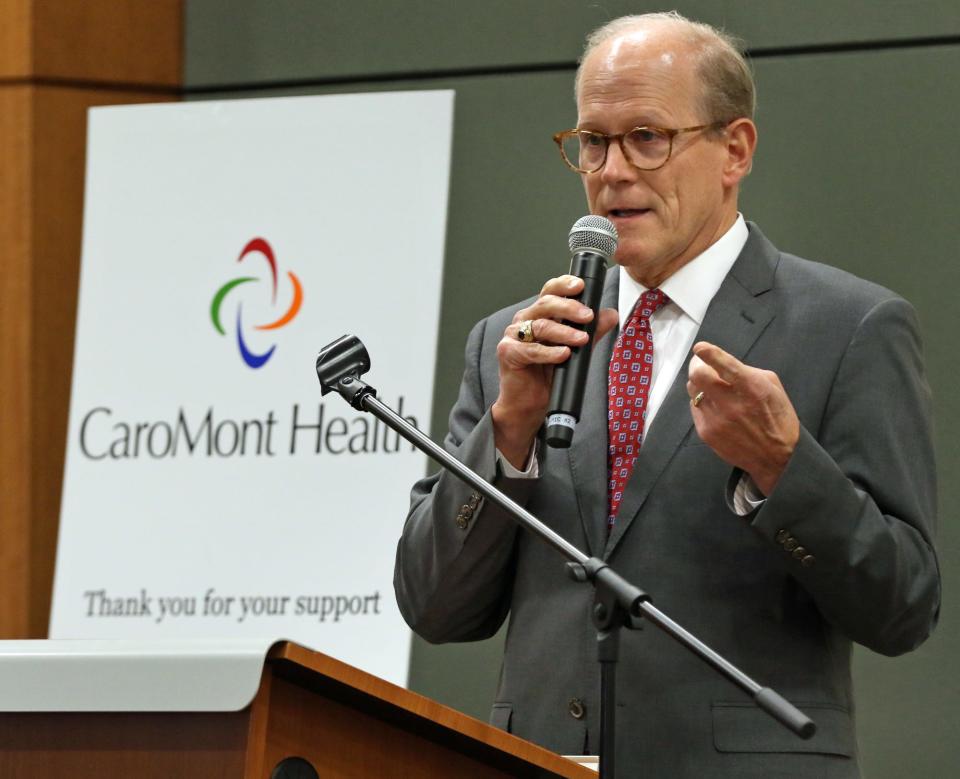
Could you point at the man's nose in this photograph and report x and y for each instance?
(617, 168)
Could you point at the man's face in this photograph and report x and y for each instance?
(668, 216)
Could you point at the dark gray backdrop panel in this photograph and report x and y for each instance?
(266, 41)
(856, 167)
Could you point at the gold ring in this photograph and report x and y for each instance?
(525, 331)
(698, 399)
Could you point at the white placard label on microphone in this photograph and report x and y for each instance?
(562, 419)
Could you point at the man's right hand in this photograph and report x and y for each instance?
(526, 369)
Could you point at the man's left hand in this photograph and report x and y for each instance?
(744, 414)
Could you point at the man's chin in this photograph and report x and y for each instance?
(642, 262)
(635, 254)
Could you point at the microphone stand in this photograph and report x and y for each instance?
(339, 367)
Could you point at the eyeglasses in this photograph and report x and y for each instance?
(646, 148)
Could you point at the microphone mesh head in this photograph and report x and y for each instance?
(595, 234)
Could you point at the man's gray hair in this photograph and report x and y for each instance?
(727, 88)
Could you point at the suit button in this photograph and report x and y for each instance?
(474, 501)
(782, 536)
(466, 511)
(462, 521)
(808, 561)
(790, 544)
(576, 708)
(799, 553)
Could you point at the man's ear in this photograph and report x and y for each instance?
(741, 142)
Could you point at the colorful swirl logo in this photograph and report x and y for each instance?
(257, 246)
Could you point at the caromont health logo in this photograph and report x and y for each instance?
(256, 247)
(198, 428)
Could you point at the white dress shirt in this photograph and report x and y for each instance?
(675, 325)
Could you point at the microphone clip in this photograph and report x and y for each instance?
(339, 367)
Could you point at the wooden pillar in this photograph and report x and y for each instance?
(57, 59)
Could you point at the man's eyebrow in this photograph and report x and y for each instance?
(643, 120)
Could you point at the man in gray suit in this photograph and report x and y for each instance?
(780, 495)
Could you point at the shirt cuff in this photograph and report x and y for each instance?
(532, 471)
(747, 497)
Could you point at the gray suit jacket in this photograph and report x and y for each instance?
(858, 498)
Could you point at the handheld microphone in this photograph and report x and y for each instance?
(593, 242)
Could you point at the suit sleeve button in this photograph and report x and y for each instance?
(462, 522)
(576, 708)
(790, 544)
(808, 561)
(474, 501)
(782, 536)
(799, 553)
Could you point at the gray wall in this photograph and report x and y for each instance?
(857, 167)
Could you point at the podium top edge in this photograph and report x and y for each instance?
(99, 675)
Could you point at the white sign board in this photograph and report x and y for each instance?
(209, 490)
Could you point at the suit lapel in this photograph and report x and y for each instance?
(588, 451)
(736, 317)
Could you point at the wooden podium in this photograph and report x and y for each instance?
(342, 721)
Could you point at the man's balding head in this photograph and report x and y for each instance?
(645, 84)
(725, 82)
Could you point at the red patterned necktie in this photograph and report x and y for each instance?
(628, 385)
